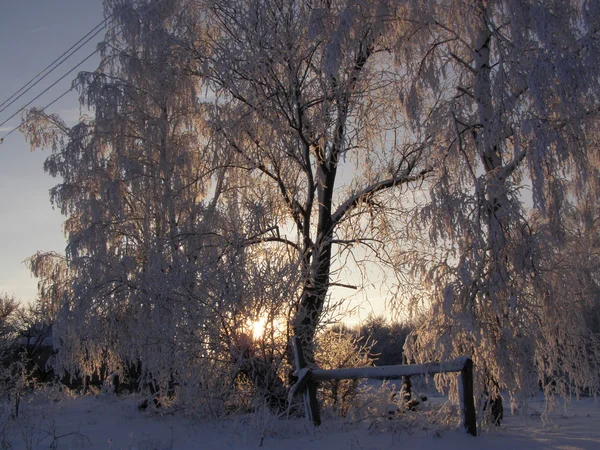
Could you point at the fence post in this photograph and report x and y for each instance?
(407, 383)
(467, 400)
(311, 405)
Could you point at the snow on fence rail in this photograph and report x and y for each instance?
(307, 377)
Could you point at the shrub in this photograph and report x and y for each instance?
(337, 350)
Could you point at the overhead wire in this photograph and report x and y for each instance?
(55, 64)
(49, 87)
(150, 7)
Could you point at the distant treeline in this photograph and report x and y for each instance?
(387, 338)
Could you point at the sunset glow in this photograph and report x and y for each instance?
(258, 328)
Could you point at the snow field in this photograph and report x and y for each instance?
(106, 422)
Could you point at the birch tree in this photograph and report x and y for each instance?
(513, 86)
(158, 275)
(307, 117)
(133, 193)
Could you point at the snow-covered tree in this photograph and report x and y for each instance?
(309, 122)
(159, 277)
(133, 191)
(513, 86)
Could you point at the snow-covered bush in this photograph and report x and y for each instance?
(8, 328)
(16, 365)
(339, 350)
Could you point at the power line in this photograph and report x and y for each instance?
(50, 87)
(28, 86)
(150, 7)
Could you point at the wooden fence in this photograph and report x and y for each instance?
(307, 378)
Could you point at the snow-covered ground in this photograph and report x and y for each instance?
(109, 423)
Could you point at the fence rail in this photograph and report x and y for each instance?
(307, 378)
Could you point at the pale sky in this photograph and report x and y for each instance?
(32, 34)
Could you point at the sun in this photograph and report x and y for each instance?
(266, 324)
(258, 328)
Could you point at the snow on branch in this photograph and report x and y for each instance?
(390, 372)
(373, 189)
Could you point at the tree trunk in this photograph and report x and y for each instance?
(316, 283)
